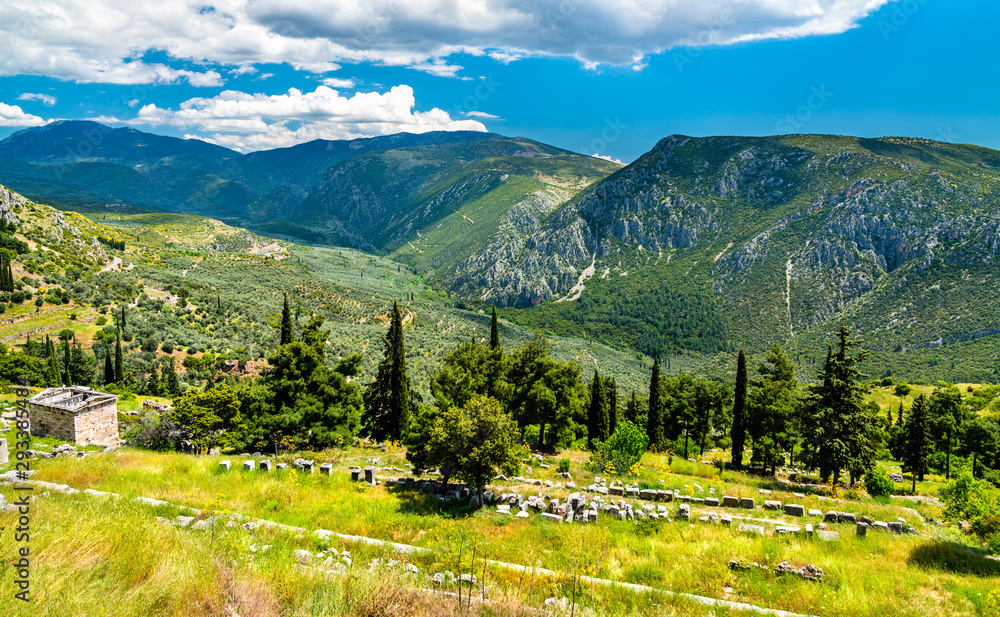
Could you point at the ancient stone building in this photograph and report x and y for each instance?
(75, 414)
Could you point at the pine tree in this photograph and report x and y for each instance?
(119, 361)
(286, 324)
(654, 417)
(840, 427)
(81, 367)
(109, 369)
(597, 414)
(918, 442)
(387, 399)
(738, 433)
(494, 330)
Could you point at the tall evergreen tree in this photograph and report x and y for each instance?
(387, 399)
(119, 361)
(738, 434)
(654, 417)
(81, 367)
(597, 414)
(494, 330)
(153, 383)
(773, 408)
(123, 324)
(611, 389)
(947, 417)
(632, 410)
(67, 380)
(899, 415)
(286, 324)
(109, 369)
(171, 384)
(840, 427)
(53, 374)
(918, 441)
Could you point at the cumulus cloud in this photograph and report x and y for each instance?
(45, 99)
(12, 115)
(336, 82)
(106, 40)
(482, 114)
(258, 121)
(606, 158)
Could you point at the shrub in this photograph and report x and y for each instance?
(102, 320)
(886, 382)
(39, 301)
(902, 389)
(167, 347)
(878, 484)
(564, 465)
(621, 453)
(976, 501)
(154, 433)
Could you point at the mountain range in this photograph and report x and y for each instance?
(702, 244)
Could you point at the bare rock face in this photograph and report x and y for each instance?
(8, 201)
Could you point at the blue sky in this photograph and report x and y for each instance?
(608, 78)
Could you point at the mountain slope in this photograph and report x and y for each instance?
(776, 237)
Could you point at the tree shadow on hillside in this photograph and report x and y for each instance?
(415, 501)
(953, 557)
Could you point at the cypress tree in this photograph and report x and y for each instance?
(54, 375)
(123, 318)
(153, 383)
(494, 330)
(286, 324)
(66, 362)
(738, 432)
(171, 385)
(632, 410)
(611, 387)
(109, 369)
(119, 360)
(654, 418)
(387, 400)
(597, 415)
(918, 440)
(899, 415)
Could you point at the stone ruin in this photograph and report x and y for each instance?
(75, 414)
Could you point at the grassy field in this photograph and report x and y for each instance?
(83, 551)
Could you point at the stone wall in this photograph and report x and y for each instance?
(97, 425)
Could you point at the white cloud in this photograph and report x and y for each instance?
(481, 114)
(12, 115)
(257, 121)
(106, 40)
(46, 100)
(606, 158)
(336, 82)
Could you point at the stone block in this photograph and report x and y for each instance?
(647, 494)
(729, 501)
(881, 526)
(665, 495)
(632, 491)
(751, 529)
(225, 465)
(4, 454)
(280, 466)
(249, 465)
(793, 509)
(862, 529)
(555, 518)
(815, 512)
(370, 475)
(786, 530)
(896, 527)
(847, 517)
(747, 503)
(726, 519)
(356, 474)
(772, 505)
(809, 529)
(831, 517)
(711, 501)
(828, 536)
(265, 465)
(326, 469)
(617, 490)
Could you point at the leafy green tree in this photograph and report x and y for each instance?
(388, 398)
(918, 439)
(475, 442)
(622, 452)
(286, 324)
(738, 432)
(980, 440)
(545, 392)
(654, 417)
(597, 413)
(469, 370)
(205, 417)
(839, 427)
(947, 416)
(773, 407)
